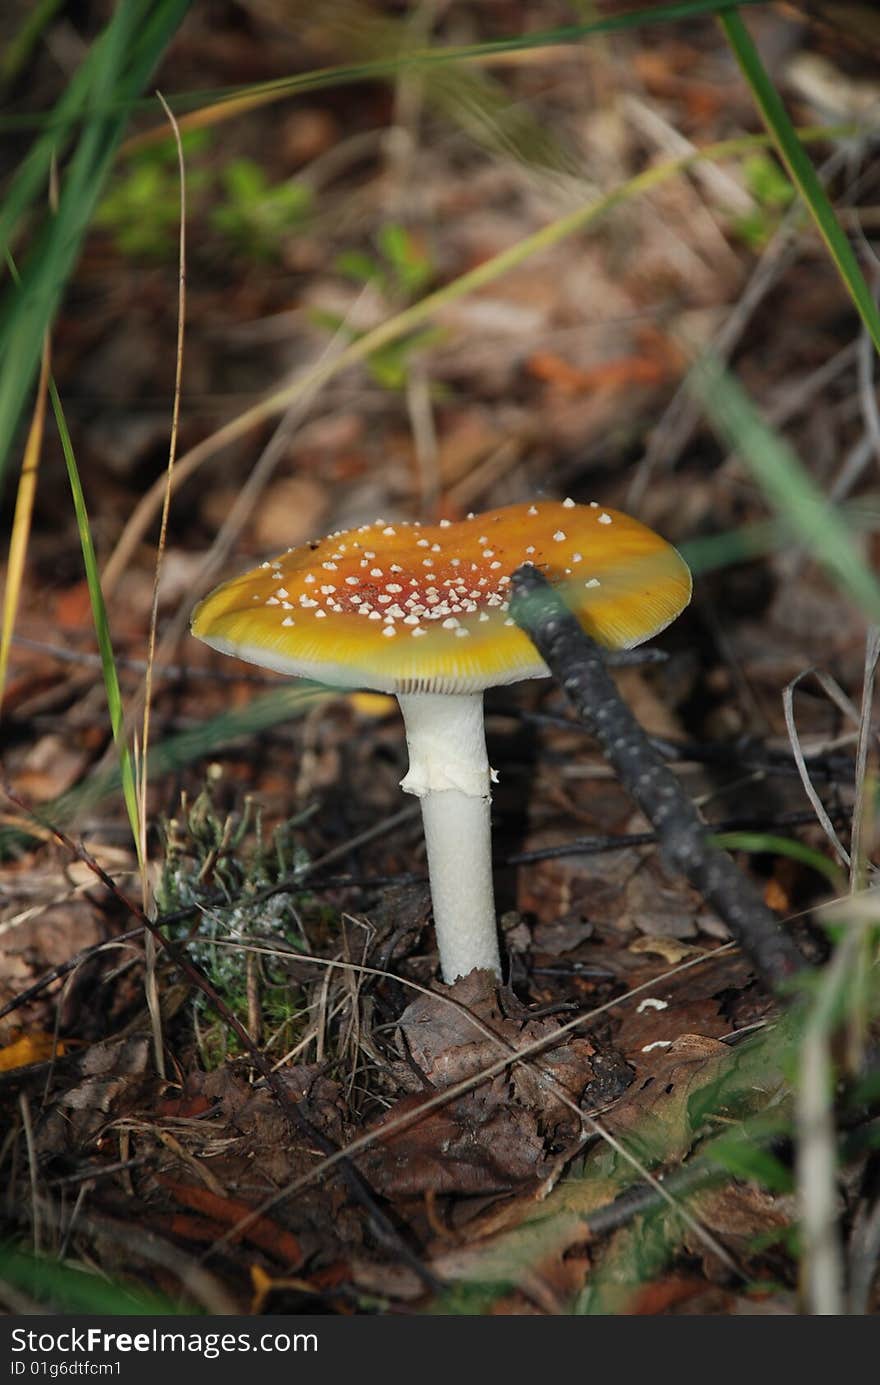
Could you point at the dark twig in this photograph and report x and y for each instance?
(177, 672)
(578, 846)
(858, 1135)
(593, 846)
(355, 1181)
(64, 969)
(640, 1198)
(745, 754)
(577, 664)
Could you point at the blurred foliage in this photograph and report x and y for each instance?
(68, 1288)
(400, 270)
(790, 148)
(141, 208)
(252, 216)
(773, 195)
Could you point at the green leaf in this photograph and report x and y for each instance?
(244, 180)
(390, 364)
(766, 182)
(258, 214)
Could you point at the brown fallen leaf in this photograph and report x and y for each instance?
(111, 1079)
(670, 949)
(653, 1118)
(446, 1035)
(291, 512)
(663, 1294)
(73, 607)
(183, 1107)
(739, 1212)
(697, 1001)
(506, 1131)
(50, 767)
(474, 1145)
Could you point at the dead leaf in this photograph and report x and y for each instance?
(51, 767)
(563, 935)
(449, 1046)
(670, 949)
(653, 1118)
(474, 1145)
(73, 607)
(506, 1130)
(738, 1212)
(663, 1294)
(261, 1232)
(30, 1048)
(110, 1080)
(608, 376)
(289, 513)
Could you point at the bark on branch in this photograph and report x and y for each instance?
(578, 665)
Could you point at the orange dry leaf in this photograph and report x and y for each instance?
(30, 1048)
(73, 607)
(776, 896)
(609, 376)
(189, 1228)
(183, 1107)
(264, 1285)
(261, 1231)
(659, 1297)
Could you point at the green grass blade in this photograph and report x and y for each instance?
(800, 169)
(32, 176)
(763, 843)
(69, 1289)
(423, 312)
(99, 617)
(710, 551)
(20, 47)
(802, 508)
(419, 59)
(118, 67)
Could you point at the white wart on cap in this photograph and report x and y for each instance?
(422, 611)
(409, 608)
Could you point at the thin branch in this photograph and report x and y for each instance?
(576, 661)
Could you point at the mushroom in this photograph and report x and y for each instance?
(421, 611)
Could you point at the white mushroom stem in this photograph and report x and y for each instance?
(449, 771)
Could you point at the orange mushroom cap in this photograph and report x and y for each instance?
(405, 608)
